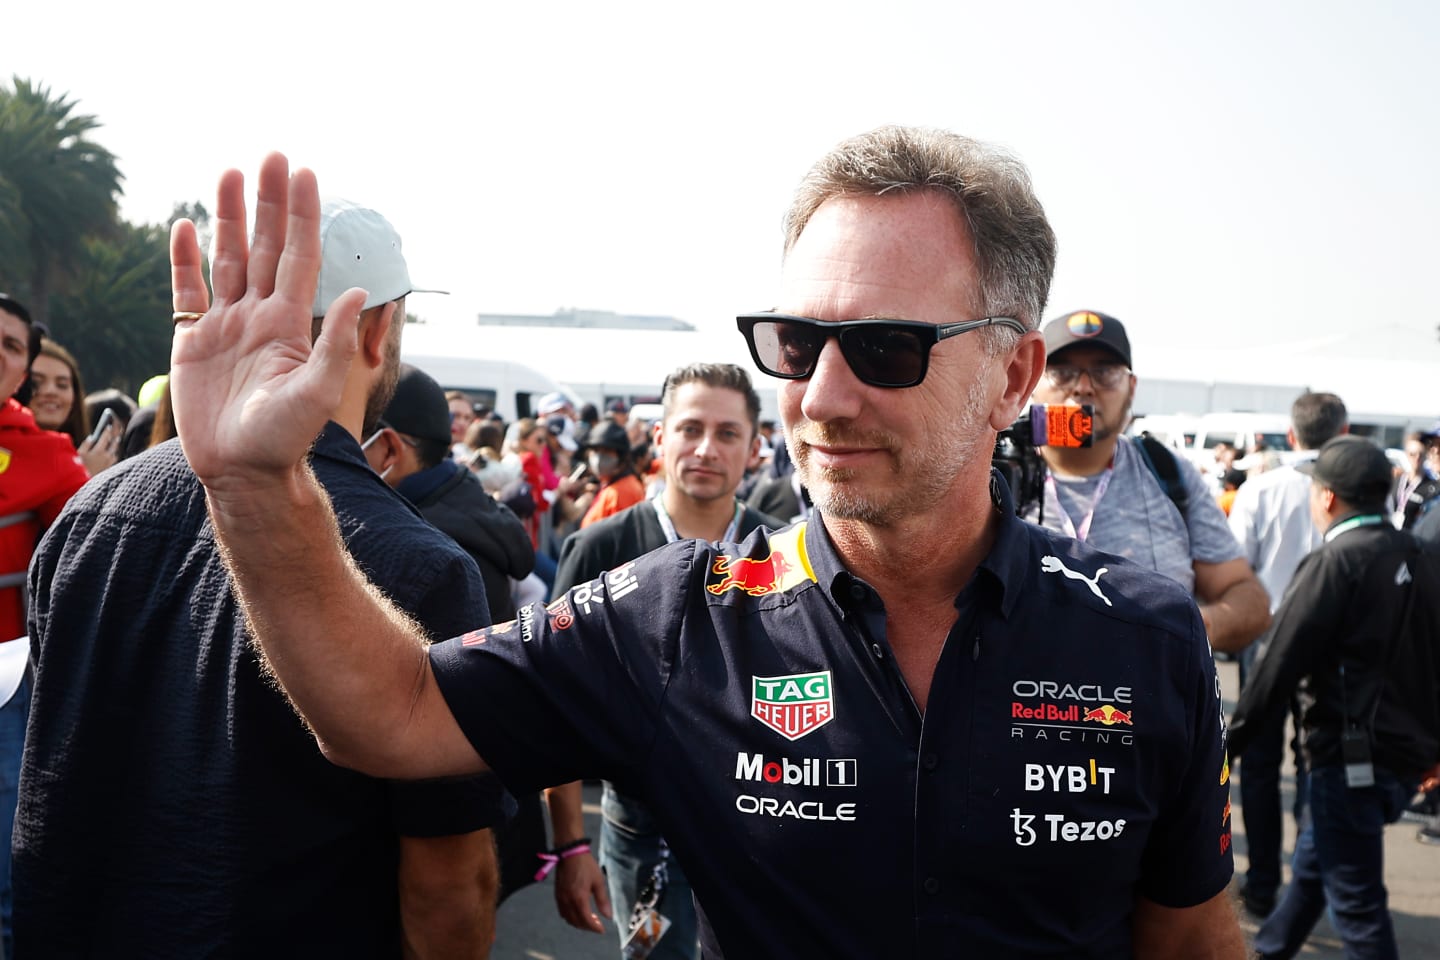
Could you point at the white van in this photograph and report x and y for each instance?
(510, 388)
(1246, 432)
(1176, 431)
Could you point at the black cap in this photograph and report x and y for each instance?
(419, 408)
(1356, 469)
(1088, 327)
(616, 406)
(608, 436)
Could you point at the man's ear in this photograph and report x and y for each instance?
(380, 451)
(1023, 366)
(374, 332)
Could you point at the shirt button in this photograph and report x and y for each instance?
(875, 649)
(857, 592)
(929, 761)
(931, 886)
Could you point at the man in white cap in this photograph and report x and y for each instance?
(167, 784)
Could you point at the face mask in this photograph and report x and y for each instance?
(603, 464)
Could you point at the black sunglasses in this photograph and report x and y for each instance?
(881, 353)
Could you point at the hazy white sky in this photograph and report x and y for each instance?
(1231, 173)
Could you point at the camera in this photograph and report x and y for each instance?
(1017, 447)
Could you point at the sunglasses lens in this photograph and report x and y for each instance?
(785, 349)
(884, 356)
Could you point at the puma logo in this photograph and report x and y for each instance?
(1053, 565)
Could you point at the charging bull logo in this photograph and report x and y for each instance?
(1108, 715)
(787, 567)
(755, 577)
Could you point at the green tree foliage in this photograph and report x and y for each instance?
(114, 312)
(58, 189)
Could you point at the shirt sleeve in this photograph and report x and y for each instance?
(1210, 538)
(1188, 858)
(1242, 522)
(454, 596)
(576, 688)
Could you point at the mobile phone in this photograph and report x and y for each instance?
(107, 417)
(577, 473)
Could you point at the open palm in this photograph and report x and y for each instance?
(249, 390)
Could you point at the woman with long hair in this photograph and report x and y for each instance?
(57, 398)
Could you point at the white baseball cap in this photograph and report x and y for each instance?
(359, 248)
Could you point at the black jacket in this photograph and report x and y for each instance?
(629, 534)
(488, 530)
(1346, 606)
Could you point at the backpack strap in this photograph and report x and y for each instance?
(1160, 460)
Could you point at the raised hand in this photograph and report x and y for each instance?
(250, 393)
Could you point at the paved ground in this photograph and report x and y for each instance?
(531, 930)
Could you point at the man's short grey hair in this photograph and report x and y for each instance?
(1014, 245)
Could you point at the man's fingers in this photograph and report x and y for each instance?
(337, 342)
(602, 903)
(187, 272)
(271, 205)
(299, 266)
(231, 247)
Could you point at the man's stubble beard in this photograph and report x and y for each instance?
(917, 481)
(383, 390)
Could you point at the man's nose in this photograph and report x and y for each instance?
(833, 391)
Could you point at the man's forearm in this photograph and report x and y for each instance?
(334, 643)
(448, 892)
(1237, 616)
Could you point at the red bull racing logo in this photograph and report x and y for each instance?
(1108, 715)
(755, 577)
(793, 706)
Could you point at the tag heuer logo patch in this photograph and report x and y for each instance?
(795, 705)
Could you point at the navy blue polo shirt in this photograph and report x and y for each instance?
(1071, 756)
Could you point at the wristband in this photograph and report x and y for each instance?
(551, 858)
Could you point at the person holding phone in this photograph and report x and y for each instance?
(57, 400)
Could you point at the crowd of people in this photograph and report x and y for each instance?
(316, 644)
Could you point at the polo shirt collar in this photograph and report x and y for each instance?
(1004, 568)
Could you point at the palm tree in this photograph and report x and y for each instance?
(114, 312)
(57, 187)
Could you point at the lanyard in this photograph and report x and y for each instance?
(1069, 525)
(667, 526)
(1368, 520)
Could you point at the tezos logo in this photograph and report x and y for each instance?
(1057, 828)
(795, 705)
